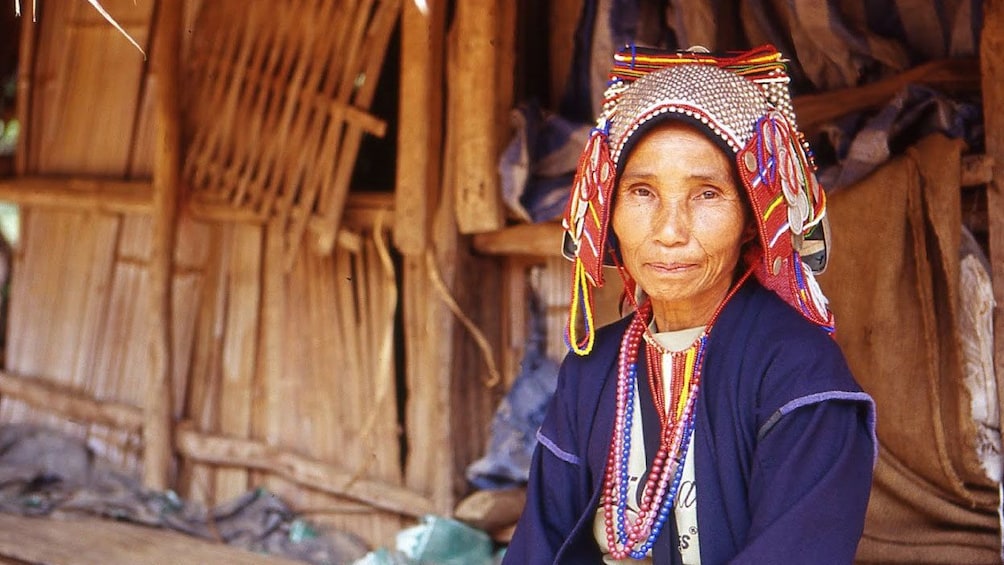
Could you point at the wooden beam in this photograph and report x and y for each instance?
(420, 127)
(252, 454)
(541, 240)
(122, 197)
(74, 405)
(95, 541)
(953, 75)
(992, 71)
(158, 404)
(473, 94)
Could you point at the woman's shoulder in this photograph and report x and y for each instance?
(775, 321)
(791, 354)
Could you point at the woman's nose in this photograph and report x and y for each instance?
(673, 223)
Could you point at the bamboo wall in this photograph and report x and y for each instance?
(285, 323)
(79, 275)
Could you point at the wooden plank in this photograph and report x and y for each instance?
(270, 386)
(992, 70)
(428, 344)
(100, 542)
(82, 62)
(540, 239)
(125, 330)
(55, 328)
(420, 127)
(428, 337)
(473, 93)
(240, 348)
(158, 404)
(197, 480)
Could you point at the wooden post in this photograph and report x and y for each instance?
(157, 450)
(420, 127)
(992, 71)
(474, 93)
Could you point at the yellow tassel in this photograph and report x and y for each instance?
(582, 297)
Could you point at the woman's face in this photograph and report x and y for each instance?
(680, 222)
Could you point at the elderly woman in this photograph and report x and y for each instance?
(718, 423)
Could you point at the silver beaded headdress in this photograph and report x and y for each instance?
(742, 102)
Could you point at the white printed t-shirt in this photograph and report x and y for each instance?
(685, 506)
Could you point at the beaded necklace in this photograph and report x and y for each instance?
(676, 424)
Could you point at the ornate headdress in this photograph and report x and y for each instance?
(741, 102)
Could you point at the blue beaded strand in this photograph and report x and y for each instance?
(668, 502)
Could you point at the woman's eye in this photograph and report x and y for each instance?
(709, 194)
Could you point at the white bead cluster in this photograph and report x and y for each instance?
(728, 104)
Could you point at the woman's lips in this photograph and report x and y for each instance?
(671, 268)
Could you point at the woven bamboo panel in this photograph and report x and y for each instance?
(303, 361)
(279, 94)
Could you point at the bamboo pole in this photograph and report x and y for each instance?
(70, 403)
(230, 451)
(992, 70)
(420, 127)
(473, 90)
(79, 194)
(157, 451)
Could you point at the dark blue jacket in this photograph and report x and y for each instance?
(784, 445)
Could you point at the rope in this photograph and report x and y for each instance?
(486, 352)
